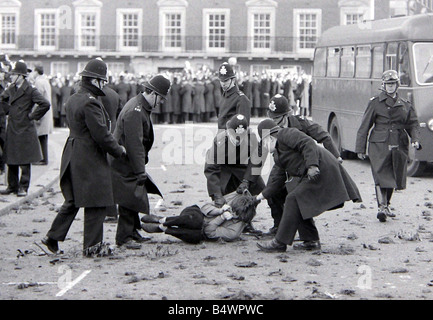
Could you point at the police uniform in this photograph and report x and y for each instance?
(233, 101)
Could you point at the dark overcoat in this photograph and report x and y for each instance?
(134, 130)
(233, 102)
(198, 104)
(85, 151)
(226, 165)
(22, 143)
(392, 122)
(186, 93)
(217, 93)
(295, 153)
(208, 97)
(255, 87)
(112, 105)
(265, 88)
(175, 98)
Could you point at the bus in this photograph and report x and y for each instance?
(348, 65)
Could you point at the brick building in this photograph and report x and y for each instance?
(144, 36)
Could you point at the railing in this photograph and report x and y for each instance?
(155, 44)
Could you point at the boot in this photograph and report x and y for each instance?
(381, 197)
(389, 213)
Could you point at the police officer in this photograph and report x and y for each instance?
(392, 119)
(131, 183)
(233, 100)
(226, 168)
(280, 112)
(85, 178)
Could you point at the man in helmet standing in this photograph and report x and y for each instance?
(392, 119)
(85, 176)
(233, 100)
(131, 183)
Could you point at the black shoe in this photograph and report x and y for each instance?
(137, 237)
(8, 191)
(131, 245)
(389, 213)
(150, 218)
(151, 227)
(381, 215)
(272, 246)
(251, 230)
(307, 245)
(51, 244)
(21, 192)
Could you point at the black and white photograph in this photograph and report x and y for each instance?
(216, 156)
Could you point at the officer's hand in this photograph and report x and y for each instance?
(123, 155)
(141, 179)
(362, 156)
(340, 160)
(243, 186)
(313, 173)
(416, 145)
(260, 197)
(219, 201)
(227, 215)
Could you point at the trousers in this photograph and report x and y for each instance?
(187, 226)
(128, 222)
(14, 181)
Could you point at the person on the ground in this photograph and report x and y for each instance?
(392, 119)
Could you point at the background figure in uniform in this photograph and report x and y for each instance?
(280, 112)
(123, 89)
(393, 119)
(195, 224)
(85, 177)
(3, 85)
(131, 183)
(233, 101)
(176, 101)
(44, 126)
(22, 145)
(65, 93)
(186, 94)
(324, 184)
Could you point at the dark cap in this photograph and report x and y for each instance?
(20, 68)
(390, 76)
(238, 123)
(226, 72)
(159, 84)
(266, 128)
(278, 106)
(96, 69)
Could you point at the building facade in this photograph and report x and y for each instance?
(148, 36)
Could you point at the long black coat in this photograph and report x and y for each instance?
(85, 151)
(22, 143)
(112, 105)
(233, 102)
(134, 130)
(295, 153)
(175, 98)
(226, 166)
(393, 121)
(186, 93)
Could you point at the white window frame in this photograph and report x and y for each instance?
(13, 9)
(115, 68)
(296, 27)
(172, 10)
(344, 11)
(252, 10)
(63, 63)
(119, 14)
(206, 13)
(38, 13)
(79, 10)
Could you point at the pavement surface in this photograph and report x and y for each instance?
(42, 177)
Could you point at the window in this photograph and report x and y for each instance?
(129, 25)
(61, 67)
(87, 24)
(8, 29)
(116, 68)
(403, 64)
(46, 28)
(259, 68)
(261, 24)
(353, 18)
(307, 28)
(347, 62)
(378, 61)
(333, 69)
(87, 32)
(391, 56)
(363, 61)
(261, 31)
(320, 62)
(173, 30)
(216, 29)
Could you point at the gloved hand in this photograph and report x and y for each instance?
(123, 155)
(219, 200)
(340, 160)
(227, 215)
(416, 145)
(362, 156)
(141, 179)
(313, 173)
(243, 186)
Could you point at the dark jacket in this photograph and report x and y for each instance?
(134, 130)
(22, 143)
(209, 97)
(112, 105)
(233, 102)
(392, 122)
(186, 93)
(175, 98)
(295, 153)
(198, 104)
(85, 151)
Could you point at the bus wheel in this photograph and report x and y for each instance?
(415, 168)
(334, 132)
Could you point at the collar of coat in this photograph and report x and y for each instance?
(232, 90)
(94, 91)
(143, 102)
(392, 102)
(18, 91)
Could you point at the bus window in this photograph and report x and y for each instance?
(347, 62)
(377, 61)
(320, 62)
(423, 61)
(403, 64)
(391, 56)
(333, 62)
(363, 61)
